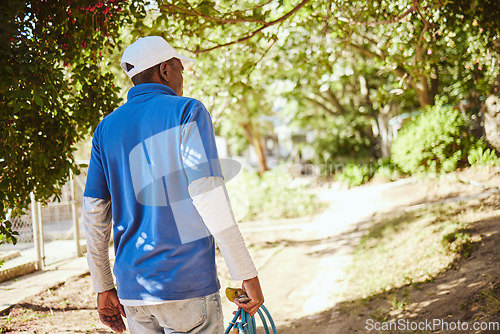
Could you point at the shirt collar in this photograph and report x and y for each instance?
(148, 88)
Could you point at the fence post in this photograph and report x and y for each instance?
(37, 230)
(74, 216)
(40, 224)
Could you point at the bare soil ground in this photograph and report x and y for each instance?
(467, 291)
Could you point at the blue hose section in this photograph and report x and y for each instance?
(266, 329)
(271, 321)
(247, 324)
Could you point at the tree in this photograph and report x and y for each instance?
(55, 87)
(415, 40)
(402, 50)
(230, 81)
(351, 99)
(238, 101)
(57, 82)
(492, 116)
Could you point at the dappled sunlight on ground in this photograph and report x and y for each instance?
(304, 266)
(454, 295)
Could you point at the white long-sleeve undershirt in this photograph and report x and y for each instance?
(209, 198)
(97, 223)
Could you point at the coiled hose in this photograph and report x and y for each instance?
(247, 323)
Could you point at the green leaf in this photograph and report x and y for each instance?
(38, 100)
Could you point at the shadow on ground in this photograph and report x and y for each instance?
(468, 291)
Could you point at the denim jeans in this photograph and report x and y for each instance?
(195, 315)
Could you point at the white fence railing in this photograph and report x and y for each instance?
(48, 233)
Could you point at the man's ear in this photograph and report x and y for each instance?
(163, 71)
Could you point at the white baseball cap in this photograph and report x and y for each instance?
(147, 52)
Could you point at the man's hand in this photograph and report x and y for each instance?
(254, 292)
(110, 310)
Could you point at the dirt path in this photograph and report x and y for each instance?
(463, 295)
(302, 264)
(294, 259)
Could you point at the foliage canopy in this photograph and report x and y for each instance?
(437, 140)
(55, 88)
(371, 60)
(342, 67)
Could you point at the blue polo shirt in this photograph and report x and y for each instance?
(144, 155)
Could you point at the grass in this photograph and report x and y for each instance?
(23, 315)
(399, 304)
(489, 299)
(275, 195)
(405, 251)
(409, 249)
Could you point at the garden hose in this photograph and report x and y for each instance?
(247, 325)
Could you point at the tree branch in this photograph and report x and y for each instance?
(327, 17)
(415, 4)
(372, 42)
(335, 101)
(321, 105)
(188, 12)
(252, 8)
(255, 32)
(398, 70)
(369, 39)
(419, 52)
(366, 52)
(260, 59)
(410, 10)
(348, 41)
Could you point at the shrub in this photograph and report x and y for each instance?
(386, 170)
(479, 155)
(342, 136)
(435, 141)
(273, 196)
(355, 175)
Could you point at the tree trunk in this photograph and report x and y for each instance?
(419, 83)
(492, 121)
(425, 95)
(492, 116)
(377, 136)
(254, 138)
(384, 137)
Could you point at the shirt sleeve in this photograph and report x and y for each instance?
(96, 185)
(198, 149)
(210, 199)
(97, 223)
